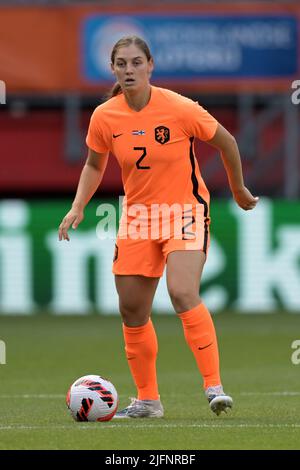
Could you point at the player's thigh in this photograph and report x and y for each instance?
(184, 271)
(136, 292)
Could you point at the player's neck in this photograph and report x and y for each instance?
(139, 99)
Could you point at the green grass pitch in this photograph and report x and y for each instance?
(45, 354)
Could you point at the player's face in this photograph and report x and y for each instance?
(132, 68)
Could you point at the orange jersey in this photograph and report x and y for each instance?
(154, 146)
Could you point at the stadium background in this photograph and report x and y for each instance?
(241, 61)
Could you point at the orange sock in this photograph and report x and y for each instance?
(200, 334)
(141, 351)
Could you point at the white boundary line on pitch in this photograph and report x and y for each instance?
(274, 394)
(43, 395)
(59, 395)
(102, 426)
(29, 395)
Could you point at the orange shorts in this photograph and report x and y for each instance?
(143, 250)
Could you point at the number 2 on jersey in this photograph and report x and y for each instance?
(138, 163)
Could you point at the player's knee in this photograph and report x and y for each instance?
(133, 315)
(183, 298)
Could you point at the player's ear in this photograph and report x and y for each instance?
(112, 68)
(150, 66)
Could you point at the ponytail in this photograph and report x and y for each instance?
(116, 90)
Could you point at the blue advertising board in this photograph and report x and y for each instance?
(196, 46)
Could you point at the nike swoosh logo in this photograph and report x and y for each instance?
(204, 347)
(116, 135)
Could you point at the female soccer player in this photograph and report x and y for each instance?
(151, 132)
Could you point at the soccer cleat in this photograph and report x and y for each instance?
(142, 409)
(218, 400)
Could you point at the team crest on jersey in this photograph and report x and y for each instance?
(162, 134)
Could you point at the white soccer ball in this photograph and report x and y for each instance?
(92, 398)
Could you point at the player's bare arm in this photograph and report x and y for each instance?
(89, 181)
(227, 145)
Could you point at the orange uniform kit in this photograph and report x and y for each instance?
(166, 204)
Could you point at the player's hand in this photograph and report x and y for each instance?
(245, 199)
(73, 217)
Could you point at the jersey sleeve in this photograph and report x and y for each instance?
(96, 138)
(198, 122)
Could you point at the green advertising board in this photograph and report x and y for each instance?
(253, 264)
